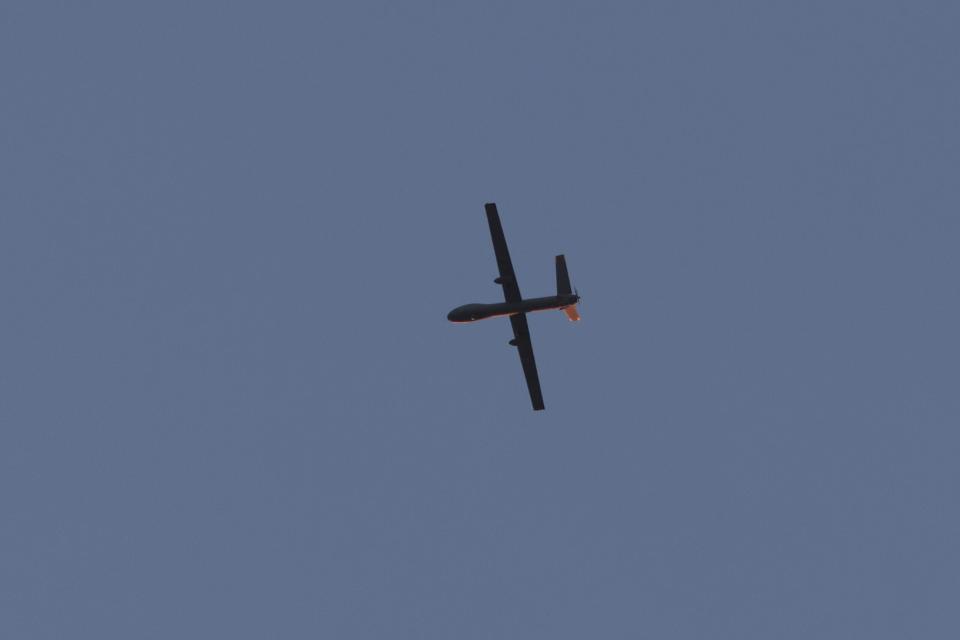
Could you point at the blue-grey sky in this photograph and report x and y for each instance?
(230, 402)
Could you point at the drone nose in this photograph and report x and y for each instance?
(457, 315)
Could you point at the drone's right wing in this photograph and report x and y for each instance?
(521, 334)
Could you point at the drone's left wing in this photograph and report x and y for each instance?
(511, 291)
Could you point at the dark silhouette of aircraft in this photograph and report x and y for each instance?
(516, 307)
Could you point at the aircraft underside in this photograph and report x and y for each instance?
(516, 308)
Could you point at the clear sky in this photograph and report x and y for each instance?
(231, 405)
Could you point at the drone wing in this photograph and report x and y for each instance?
(521, 334)
(511, 291)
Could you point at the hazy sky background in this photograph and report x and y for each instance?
(231, 405)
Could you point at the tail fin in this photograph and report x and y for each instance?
(563, 279)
